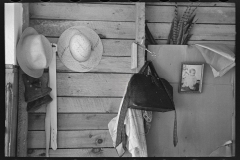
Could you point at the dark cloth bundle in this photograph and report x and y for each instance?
(146, 91)
(36, 92)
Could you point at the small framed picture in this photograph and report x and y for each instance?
(191, 77)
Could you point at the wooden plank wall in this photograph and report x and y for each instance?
(86, 101)
(216, 21)
(204, 120)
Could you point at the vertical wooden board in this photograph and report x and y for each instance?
(140, 33)
(11, 77)
(203, 121)
(22, 105)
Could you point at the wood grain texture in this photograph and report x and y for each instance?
(107, 64)
(111, 47)
(199, 31)
(11, 76)
(84, 84)
(22, 105)
(214, 15)
(205, 4)
(54, 28)
(73, 139)
(84, 105)
(22, 120)
(140, 34)
(81, 11)
(87, 152)
(72, 121)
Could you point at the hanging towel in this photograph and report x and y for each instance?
(134, 127)
(135, 135)
(219, 56)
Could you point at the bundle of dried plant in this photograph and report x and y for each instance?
(180, 28)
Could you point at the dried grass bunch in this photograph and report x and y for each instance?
(180, 28)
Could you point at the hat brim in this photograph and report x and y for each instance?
(20, 54)
(65, 55)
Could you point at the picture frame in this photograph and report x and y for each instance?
(191, 77)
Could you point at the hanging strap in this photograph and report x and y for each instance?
(175, 138)
(154, 73)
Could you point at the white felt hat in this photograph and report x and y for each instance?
(80, 48)
(34, 52)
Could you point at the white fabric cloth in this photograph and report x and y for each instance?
(136, 140)
(219, 56)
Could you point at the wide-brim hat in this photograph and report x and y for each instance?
(66, 56)
(33, 52)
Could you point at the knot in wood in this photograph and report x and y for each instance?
(96, 150)
(99, 141)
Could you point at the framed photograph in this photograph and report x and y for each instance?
(191, 78)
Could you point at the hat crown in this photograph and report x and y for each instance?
(80, 47)
(36, 56)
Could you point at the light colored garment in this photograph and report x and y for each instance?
(219, 56)
(136, 140)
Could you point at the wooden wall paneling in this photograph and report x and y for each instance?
(86, 152)
(22, 105)
(140, 33)
(203, 4)
(77, 105)
(112, 47)
(92, 99)
(201, 31)
(73, 139)
(208, 15)
(11, 82)
(107, 64)
(105, 29)
(216, 22)
(81, 11)
(72, 121)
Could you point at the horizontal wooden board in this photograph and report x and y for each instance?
(81, 11)
(54, 28)
(215, 15)
(84, 105)
(91, 84)
(72, 139)
(88, 152)
(72, 121)
(111, 47)
(199, 31)
(205, 4)
(87, 84)
(107, 64)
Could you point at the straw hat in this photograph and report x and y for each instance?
(80, 48)
(34, 52)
